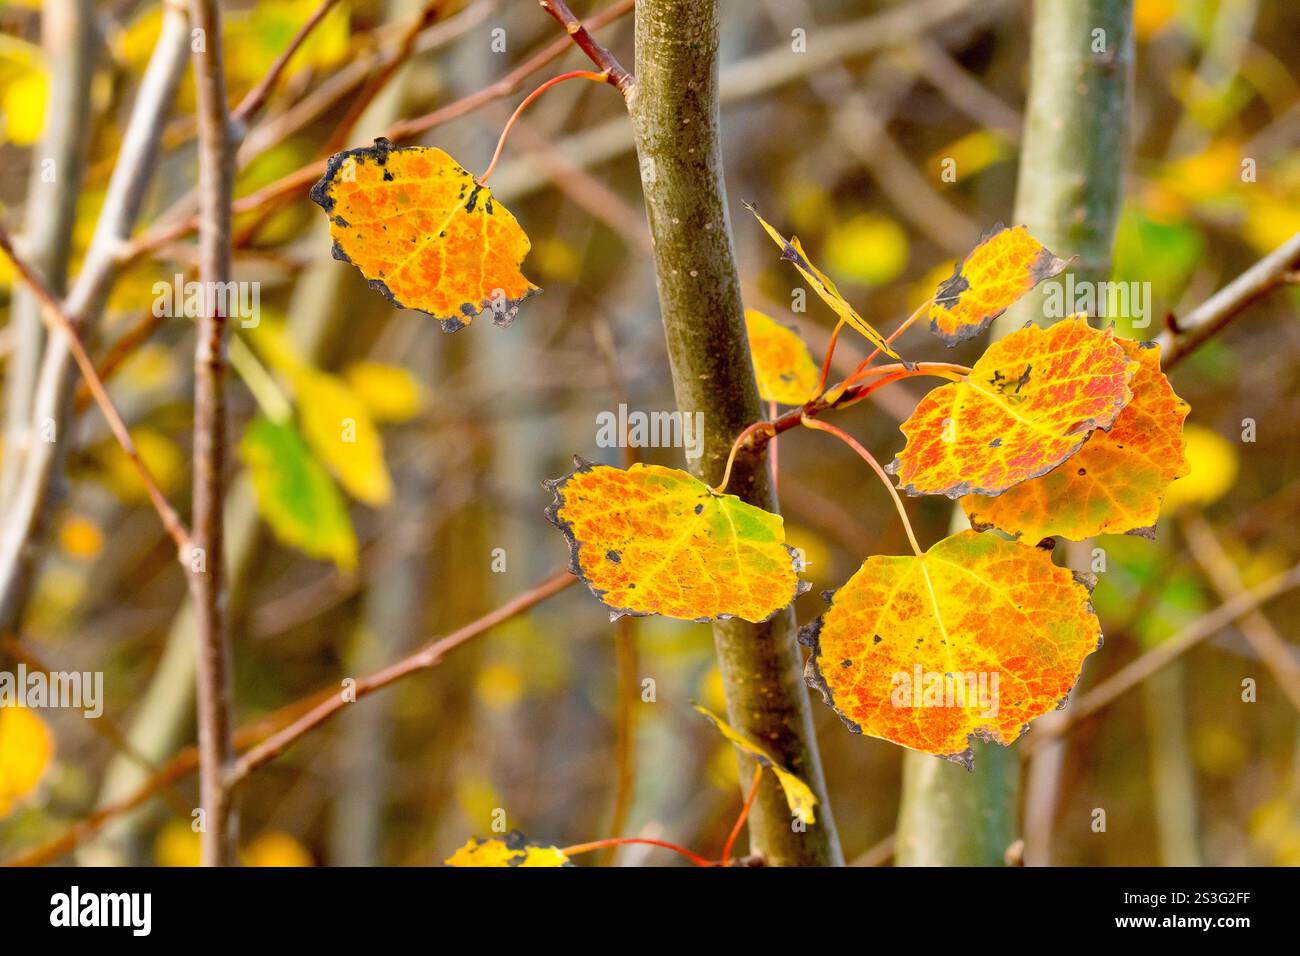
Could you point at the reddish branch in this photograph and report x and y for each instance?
(580, 35)
(60, 324)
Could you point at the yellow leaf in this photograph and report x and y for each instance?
(389, 392)
(26, 749)
(23, 104)
(655, 540)
(514, 849)
(1005, 265)
(499, 686)
(425, 233)
(338, 427)
(823, 286)
(177, 844)
(1212, 462)
(1028, 404)
(1114, 483)
(785, 371)
(977, 637)
(970, 154)
(295, 495)
(276, 849)
(798, 795)
(868, 248)
(80, 537)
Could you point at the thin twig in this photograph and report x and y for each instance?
(1212, 316)
(59, 323)
(293, 721)
(207, 576)
(430, 655)
(614, 72)
(255, 98)
(1136, 671)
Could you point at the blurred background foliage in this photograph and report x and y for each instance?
(436, 517)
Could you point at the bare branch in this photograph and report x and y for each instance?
(52, 313)
(207, 578)
(580, 35)
(258, 95)
(1213, 315)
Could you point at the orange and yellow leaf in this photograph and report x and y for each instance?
(1028, 404)
(792, 250)
(785, 370)
(425, 233)
(798, 795)
(1005, 265)
(514, 849)
(1116, 481)
(976, 638)
(656, 540)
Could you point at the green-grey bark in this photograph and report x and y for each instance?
(1069, 194)
(674, 110)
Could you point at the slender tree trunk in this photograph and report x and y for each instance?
(674, 110)
(1069, 194)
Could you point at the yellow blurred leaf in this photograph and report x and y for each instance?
(389, 392)
(276, 849)
(176, 844)
(340, 430)
(499, 686)
(26, 749)
(80, 537)
(23, 105)
(869, 249)
(971, 154)
(514, 849)
(1213, 462)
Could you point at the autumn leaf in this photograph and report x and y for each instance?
(977, 637)
(792, 250)
(1005, 265)
(798, 795)
(785, 371)
(425, 233)
(1028, 404)
(514, 849)
(1114, 483)
(274, 848)
(655, 540)
(296, 495)
(26, 749)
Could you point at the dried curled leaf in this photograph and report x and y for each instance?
(514, 849)
(424, 233)
(26, 749)
(1005, 265)
(785, 371)
(792, 250)
(798, 795)
(1115, 482)
(1028, 404)
(656, 540)
(295, 494)
(976, 638)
